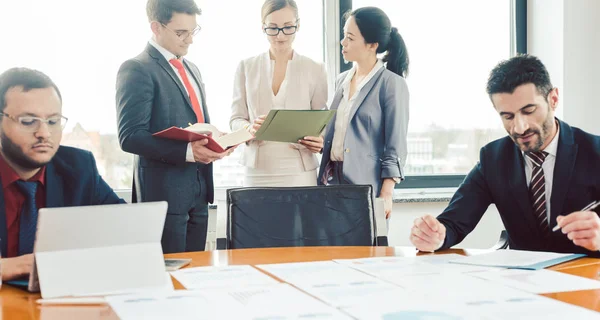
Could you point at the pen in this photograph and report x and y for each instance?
(590, 206)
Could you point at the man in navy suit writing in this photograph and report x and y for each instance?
(539, 177)
(35, 171)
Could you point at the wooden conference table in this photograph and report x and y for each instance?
(18, 304)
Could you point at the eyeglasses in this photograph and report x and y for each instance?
(183, 34)
(32, 124)
(287, 30)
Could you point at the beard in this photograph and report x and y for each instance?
(536, 145)
(13, 152)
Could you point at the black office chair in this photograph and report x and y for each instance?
(341, 215)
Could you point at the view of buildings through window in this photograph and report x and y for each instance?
(451, 53)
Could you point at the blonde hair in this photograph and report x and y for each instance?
(271, 6)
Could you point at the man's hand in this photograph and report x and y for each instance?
(427, 233)
(581, 227)
(314, 144)
(204, 155)
(14, 268)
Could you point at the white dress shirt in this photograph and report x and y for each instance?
(342, 119)
(189, 155)
(547, 166)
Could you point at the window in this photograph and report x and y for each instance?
(452, 46)
(82, 52)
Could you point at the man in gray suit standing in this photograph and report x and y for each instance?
(156, 90)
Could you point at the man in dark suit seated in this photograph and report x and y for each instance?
(35, 171)
(539, 177)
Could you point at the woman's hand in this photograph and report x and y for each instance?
(387, 191)
(253, 128)
(314, 144)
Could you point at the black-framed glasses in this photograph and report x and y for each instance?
(32, 124)
(184, 34)
(287, 30)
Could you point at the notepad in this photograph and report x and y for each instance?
(518, 259)
(293, 125)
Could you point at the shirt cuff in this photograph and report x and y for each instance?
(189, 154)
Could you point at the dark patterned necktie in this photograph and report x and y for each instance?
(28, 219)
(537, 189)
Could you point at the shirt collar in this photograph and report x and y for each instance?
(378, 65)
(166, 53)
(8, 174)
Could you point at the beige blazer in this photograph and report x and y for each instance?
(252, 97)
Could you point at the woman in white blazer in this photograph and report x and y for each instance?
(278, 79)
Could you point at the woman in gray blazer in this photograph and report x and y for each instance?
(366, 141)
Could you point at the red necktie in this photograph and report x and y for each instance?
(190, 89)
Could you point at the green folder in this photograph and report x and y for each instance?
(292, 125)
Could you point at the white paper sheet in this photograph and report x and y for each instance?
(280, 301)
(539, 281)
(221, 276)
(181, 304)
(347, 294)
(319, 272)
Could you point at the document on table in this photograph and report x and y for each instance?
(221, 276)
(456, 287)
(524, 306)
(318, 272)
(539, 281)
(518, 259)
(277, 301)
(280, 301)
(180, 304)
(347, 294)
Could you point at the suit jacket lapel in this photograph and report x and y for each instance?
(54, 188)
(566, 155)
(364, 92)
(202, 97)
(160, 59)
(519, 190)
(264, 92)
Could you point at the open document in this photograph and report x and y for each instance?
(217, 141)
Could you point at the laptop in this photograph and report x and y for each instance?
(68, 238)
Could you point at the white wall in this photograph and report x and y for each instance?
(565, 36)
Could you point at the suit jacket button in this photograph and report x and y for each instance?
(347, 150)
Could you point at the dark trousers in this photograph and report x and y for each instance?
(186, 231)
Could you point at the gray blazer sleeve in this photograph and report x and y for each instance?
(134, 99)
(395, 115)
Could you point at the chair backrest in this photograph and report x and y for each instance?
(340, 215)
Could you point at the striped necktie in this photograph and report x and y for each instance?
(537, 189)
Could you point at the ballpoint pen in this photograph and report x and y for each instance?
(590, 206)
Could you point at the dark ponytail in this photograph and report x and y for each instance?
(375, 27)
(397, 56)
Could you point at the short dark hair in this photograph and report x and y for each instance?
(26, 78)
(516, 71)
(376, 27)
(163, 10)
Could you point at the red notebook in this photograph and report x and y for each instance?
(218, 144)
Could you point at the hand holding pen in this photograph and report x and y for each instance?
(582, 227)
